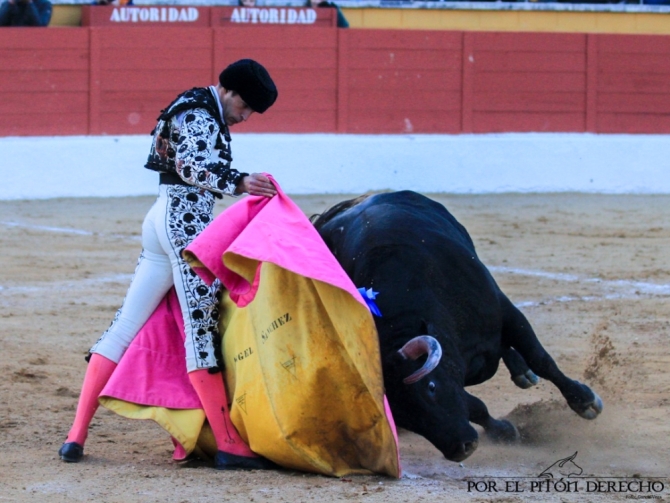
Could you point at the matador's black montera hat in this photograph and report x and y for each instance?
(252, 82)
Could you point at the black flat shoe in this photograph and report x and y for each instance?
(71, 452)
(226, 461)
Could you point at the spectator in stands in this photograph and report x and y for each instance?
(25, 13)
(341, 20)
(247, 3)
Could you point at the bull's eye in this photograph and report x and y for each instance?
(431, 387)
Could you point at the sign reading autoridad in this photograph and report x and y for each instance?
(268, 16)
(131, 15)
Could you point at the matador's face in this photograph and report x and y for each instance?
(234, 108)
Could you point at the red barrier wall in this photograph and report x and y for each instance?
(633, 85)
(44, 81)
(402, 82)
(303, 63)
(115, 80)
(136, 72)
(528, 82)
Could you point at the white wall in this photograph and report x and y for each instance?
(45, 167)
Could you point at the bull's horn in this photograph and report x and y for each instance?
(421, 345)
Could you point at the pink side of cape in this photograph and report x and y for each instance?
(153, 369)
(267, 230)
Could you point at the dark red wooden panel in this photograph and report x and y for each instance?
(530, 102)
(123, 101)
(44, 81)
(406, 81)
(178, 61)
(136, 117)
(43, 38)
(29, 58)
(303, 64)
(116, 80)
(525, 61)
(591, 98)
(396, 57)
(633, 44)
(523, 82)
(391, 80)
(49, 124)
(61, 103)
(649, 64)
(163, 40)
(154, 80)
(305, 79)
(634, 123)
(634, 103)
(273, 37)
(468, 73)
(633, 83)
(314, 59)
(404, 121)
(406, 99)
(142, 70)
(406, 39)
(528, 82)
(287, 121)
(312, 100)
(529, 42)
(126, 123)
(500, 122)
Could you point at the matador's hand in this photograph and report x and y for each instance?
(256, 184)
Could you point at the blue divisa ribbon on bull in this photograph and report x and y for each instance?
(369, 297)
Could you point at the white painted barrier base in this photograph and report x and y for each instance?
(104, 166)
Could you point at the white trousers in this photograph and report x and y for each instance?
(179, 214)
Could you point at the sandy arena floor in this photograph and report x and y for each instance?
(591, 272)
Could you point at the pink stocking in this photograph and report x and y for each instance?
(97, 374)
(212, 394)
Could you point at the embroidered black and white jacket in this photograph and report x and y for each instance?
(192, 141)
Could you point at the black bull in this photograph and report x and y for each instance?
(438, 300)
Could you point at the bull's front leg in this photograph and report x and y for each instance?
(522, 376)
(499, 430)
(518, 333)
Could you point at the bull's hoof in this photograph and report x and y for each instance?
(501, 430)
(589, 410)
(527, 380)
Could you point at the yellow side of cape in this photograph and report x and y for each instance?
(304, 378)
(304, 374)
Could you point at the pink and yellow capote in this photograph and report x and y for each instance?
(302, 364)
